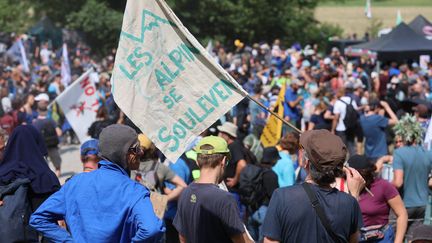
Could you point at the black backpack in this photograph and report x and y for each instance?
(351, 116)
(251, 189)
(49, 134)
(15, 213)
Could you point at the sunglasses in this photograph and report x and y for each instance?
(136, 148)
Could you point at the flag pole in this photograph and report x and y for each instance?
(273, 113)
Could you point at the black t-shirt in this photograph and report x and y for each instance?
(291, 218)
(206, 213)
(270, 184)
(237, 151)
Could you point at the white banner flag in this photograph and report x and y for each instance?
(80, 104)
(165, 81)
(24, 61)
(65, 67)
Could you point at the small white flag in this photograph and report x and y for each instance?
(23, 60)
(80, 104)
(368, 9)
(65, 67)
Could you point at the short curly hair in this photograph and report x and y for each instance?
(290, 142)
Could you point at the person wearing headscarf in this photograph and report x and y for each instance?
(26, 182)
(24, 159)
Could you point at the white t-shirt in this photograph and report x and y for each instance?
(45, 55)
(340, 108)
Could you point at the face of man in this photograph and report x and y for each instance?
(133, 156)
(224, 136)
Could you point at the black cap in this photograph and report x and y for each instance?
(359, 162)
(270, 155)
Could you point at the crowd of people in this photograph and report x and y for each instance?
(360, 171)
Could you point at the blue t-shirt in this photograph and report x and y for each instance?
(284, 169)
(292, 112)
(291, 218)
(416, 164)
(181, 169)
(374, 131)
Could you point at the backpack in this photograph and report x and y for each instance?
(149, 178)
(49, 134)
(251, 189)
(15, 213)
(351, 116)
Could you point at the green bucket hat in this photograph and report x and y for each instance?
(219, 145)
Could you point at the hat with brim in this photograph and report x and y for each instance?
(42, 97)
(144, 141)
(270, 155)
(228, 128)
(218, 146)
(323, 149)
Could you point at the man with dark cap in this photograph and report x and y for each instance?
(314, 211)
(103, 205)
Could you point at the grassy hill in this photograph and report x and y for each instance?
(351, 17)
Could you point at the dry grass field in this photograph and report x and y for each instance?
(353, 20)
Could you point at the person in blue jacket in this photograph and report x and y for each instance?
(103, 205)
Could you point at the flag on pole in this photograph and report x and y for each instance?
(65, 67)
(399, 17)
(209, 48)
(428, 137)
(165, 81)
(368, 9)
(23, 60)
(80, 104)
(273, 130)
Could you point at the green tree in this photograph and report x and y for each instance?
(224, 20)
(99, 22)
(15, 16)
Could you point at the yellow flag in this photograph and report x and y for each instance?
(273, 130)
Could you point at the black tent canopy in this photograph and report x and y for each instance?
(401, 44)
(422, 26)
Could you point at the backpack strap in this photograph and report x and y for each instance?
(345, 102)
(320, 212)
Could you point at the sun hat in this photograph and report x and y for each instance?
(144, 141)
(219, 145)
(42, 96)
(228, 128)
